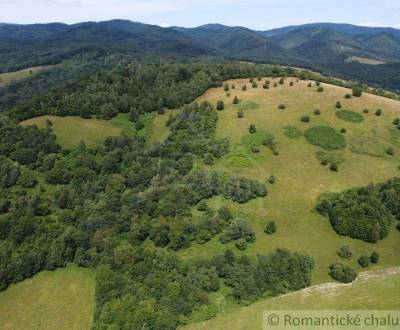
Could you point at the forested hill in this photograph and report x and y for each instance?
(352, 52)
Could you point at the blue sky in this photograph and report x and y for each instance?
(256, 14)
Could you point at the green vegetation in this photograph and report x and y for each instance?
(371, 290)
(247, 105)
(70, 131)
(293, 132)
(350, 116)
(325, 137)
(342, 273)
(6, 78)
(63, 299)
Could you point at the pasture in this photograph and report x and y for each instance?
(6, 78)
(63, 299)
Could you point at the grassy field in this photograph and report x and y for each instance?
(300, 178)
(364, 60)
(63, 299)
(372, 290)
(6, 78)
(70, 131)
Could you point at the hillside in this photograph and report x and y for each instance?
(322, 47)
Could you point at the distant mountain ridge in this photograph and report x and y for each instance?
(320, 46)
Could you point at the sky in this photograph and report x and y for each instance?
(255, 14)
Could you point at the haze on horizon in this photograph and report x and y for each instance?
(255, 14)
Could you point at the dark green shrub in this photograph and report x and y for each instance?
(226, 87)
(320, 89)
(338, 105)
(252, 129)
(357, 91)
(345, 252)
(343, 130)
(281, 81)
(202, 206)
(244, 88)
(220, 105)
(348, 96)
(235, 100)
(240, 114)
(272, 179)
(305, 119)
(208, 160)
(254, 85)
(364, 261)
(270, 228)
(342, 273)
(374, 258)
(366, 110)
(378, 112)
(255, 150)
(317, 112)
(324, 162)
(334, 168)
(291, 83)
(241, 244)
(390, 151)
(282, 106)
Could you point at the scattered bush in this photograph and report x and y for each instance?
(364, 261)
(270, 228)
(343, 130)
(240, 114)
(366, 110)
(241, 244)
(236, 230)
(309, 85)
(324, 162)
(390, 151)
(282, 107)
(320, 89)
(317, 112)
(254, 85)
(338, 105)
(345, 252)
(272, 179)
(357, 91)
(334, 167)
(255, 150)
(266, 86)
(374, 258)
(342, 273)
(291, 83)
(252, 129)
(244, 88)
(378, 112)
(220, 105)
(282, 81)
(305, 119)
(348, 96)
(235, 100)
(226, 87)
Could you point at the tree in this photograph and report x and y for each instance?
(270, 228)
(240, 114)
(357, 91)
(244, 88)
(338, 105)
(220, 105)
(320, 89)
(235, 100)
(281, 107)
(226, 87)
(364, 261)
(374, 258)
(305, 119)
(252, 129)
(345, 252)
(342, 273)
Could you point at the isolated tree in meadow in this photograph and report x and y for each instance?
(374, 257)
(270, 228)
(226, 87)
(252, 129)
(240, 114)
(220, 105)
(244, 88)
(364, 261)
(235, 100)
(338, 105)
(345, 252)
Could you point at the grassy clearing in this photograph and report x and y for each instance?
(372, 290)
(70, 131)
(63, 299)
(364, 60)
(350, 116)
(301, 179)
(6, 78)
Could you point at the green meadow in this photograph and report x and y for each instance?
(6, 78)
(63, 299)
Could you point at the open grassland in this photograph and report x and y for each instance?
(364, 60)
(300, 177)
(63, 299)
(6, 78)
(372, 290)
(71, 130)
